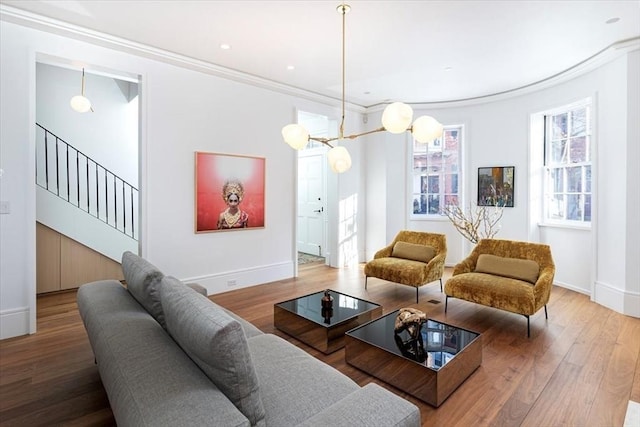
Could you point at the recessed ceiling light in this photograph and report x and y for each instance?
(290, 67)
(448, 68)
(225, 46)
(367, 93)
(612, 20)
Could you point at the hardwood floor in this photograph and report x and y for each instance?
(579, 368)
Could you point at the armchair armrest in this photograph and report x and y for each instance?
(542, 287)
(384, 252)
(368, 406)
(467, 265)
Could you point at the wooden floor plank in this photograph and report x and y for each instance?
(579, 367)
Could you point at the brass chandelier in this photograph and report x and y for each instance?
(396, 118)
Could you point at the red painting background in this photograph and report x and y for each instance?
(212, 170)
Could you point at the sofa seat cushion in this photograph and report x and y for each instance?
(294, 385)
(413, 251)
(143, 282)
(505, 293)
(515, 268)
(397, 270)
(150, 381)
(216, 343)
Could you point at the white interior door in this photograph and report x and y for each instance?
(311, 203)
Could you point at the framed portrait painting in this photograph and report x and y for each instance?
(496, 186)
(230, 192)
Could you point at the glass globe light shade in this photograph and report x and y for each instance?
(426, 129)
(397, 117)
(339, 159)
(80, 104)
(296, 136)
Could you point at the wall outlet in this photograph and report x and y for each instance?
(231, 283)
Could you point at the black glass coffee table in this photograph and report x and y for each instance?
(430, 368)
(305, 318)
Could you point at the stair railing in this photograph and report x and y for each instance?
(76, 178)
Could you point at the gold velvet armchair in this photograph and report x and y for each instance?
(509, 275)
(414, 258)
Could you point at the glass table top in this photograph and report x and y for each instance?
(342, 308)
(436, 345)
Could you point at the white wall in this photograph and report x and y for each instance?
(497, 133)
(183, 111)
(109, 135)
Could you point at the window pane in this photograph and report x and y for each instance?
(559, 151)
(556, 207)
(587, 207)
(451, 184)
(451, 140)
(434, 204)
(450, 200)
(419, 163)
(574, 180)
(416, 204)
(434, 161)
(435, 172)
(578, 151)
(587, 179)
(434, 185)
(559, 126)
(574, 210)
(579, 122)
(556, 180)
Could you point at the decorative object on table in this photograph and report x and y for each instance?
(496, 186)
(396, 118)
(229, 192)
(410, 320)
(327, 307)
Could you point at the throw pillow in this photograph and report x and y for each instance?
(515, 268)
(143, 282)
(216, 343)
(413, 251)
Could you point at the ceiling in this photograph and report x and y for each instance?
(414, 51)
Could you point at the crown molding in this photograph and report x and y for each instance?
(39, 22)
(54, 26)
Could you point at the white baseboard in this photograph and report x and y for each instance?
(14, 322)
(231, 280)
(619, 300)
(571, 287)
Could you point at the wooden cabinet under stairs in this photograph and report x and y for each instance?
(63, 263)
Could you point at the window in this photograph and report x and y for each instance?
(567, 165)
(436, 172)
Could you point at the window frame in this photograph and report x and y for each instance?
(413, 216)
(547, 189)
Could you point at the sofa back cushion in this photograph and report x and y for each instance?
(143, 282)
(216, 343)
(515, 268)
(413, 251)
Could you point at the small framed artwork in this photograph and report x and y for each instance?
(496, 186)
(230, 192)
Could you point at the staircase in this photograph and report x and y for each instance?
(80, 198)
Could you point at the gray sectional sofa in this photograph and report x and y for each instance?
(168, 356)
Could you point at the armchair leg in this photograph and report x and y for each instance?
(446, 303)
(528, 328)
(365, 281)
(441, 285)
(417, 294)
(546, 316)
